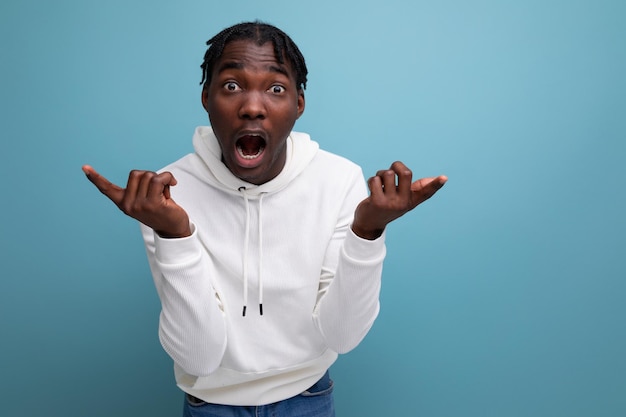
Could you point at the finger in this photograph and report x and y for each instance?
(405, 177)
(425, 188)
(429, 182)
(388, 180)
(439, 181)
(133, 191)
(106, 187)
(376, 186)
(159, 185)
(144, 179)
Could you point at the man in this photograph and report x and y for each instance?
(266, 251)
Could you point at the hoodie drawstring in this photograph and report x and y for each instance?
(261, 254)
(245, 252)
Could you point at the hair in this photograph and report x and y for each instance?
(259, 32)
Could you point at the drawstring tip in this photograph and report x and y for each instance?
(244, 311)
(261, 308)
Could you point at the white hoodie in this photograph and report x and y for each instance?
(284, 249)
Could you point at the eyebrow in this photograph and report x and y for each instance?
(239, 65)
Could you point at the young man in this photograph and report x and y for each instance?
(266, 251)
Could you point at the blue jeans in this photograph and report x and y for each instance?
(317, 401)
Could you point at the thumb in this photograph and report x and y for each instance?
(106, 187)
(429, 184)
(425, 188)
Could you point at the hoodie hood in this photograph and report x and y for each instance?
(300, 151)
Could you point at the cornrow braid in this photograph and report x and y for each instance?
(259, 32)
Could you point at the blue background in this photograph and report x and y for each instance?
(503, 296)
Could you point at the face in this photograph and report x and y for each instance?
(253, 102)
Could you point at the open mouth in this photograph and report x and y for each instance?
(250, 146)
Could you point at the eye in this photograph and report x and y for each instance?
(277, 89)
(232, 86)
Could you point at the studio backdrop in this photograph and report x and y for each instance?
(502, 296)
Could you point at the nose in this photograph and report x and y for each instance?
(252, 106)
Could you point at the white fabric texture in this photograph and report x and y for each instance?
(286, 244)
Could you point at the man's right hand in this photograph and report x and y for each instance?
(147, 199)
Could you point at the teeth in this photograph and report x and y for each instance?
(256, 155)
(240, 149)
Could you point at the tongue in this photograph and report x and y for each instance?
(250, 145)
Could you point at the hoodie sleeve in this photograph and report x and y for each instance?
(348, 297)
(191, 325)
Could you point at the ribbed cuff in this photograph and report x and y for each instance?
(177, 250)
(364, 250)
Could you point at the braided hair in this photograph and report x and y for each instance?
(260, 33)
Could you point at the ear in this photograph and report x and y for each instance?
(300, 102)
(205, 98)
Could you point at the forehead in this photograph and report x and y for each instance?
(249, 55)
